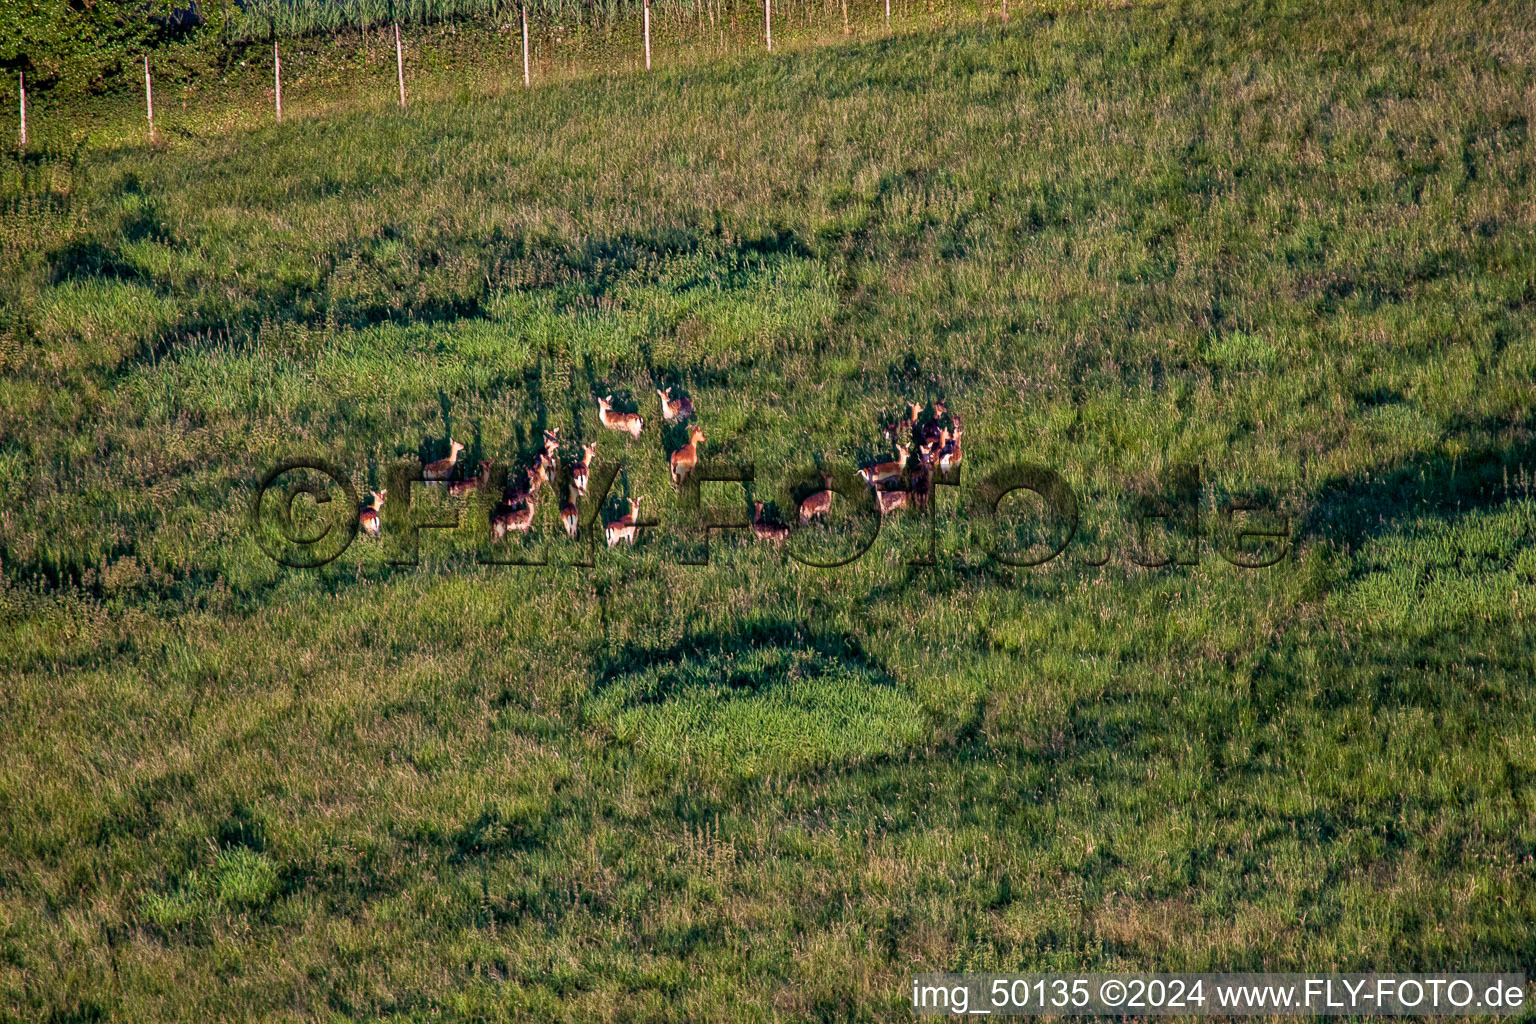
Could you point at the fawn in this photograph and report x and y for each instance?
(773, 533)
(623, 422)
(369, 518)
(440, 469)
(880, 473)
(686, 457)
(622, 530)
(581, 472)
(674, 409)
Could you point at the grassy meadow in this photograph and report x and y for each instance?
(1291, 244)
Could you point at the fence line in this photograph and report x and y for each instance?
(817, 12)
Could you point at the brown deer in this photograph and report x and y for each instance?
(441, 469)
(932, 428)
(459, 488)
(674, 410)
(687, 457)
(570, 518)
(817, 504)
(919, 487)
(881, 472)
(773, 533)
(950, 453)
(624, 422)
(890, 501)
(542, 472)
(507, 519)
(369, 518)
(622, 530)
(581, 472)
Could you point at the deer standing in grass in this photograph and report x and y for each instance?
(919, 487)
(442, 468)
(950, 453)
(674, 410)
(570, 517)
(515, 512)
(581, 472)
(818, 503)
(624, 422)
(542, 472)
(687, 457)
(881, 472)
(622, 530)
(369, 518)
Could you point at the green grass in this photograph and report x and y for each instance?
(1289, 243)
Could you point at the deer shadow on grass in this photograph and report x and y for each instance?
(1351, 510)
(720, 653)
(426, 298)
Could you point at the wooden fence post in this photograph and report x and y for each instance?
(887, 14)
(647, 35)
(768, 22)
(527, 80)
(277, 81)
(23, 110)
(400, 64)
(149, 99)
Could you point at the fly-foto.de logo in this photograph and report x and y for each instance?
(307, 513)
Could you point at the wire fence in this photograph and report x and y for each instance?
(560, 39)
(266, 20)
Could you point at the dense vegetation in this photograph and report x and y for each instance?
(78, 47)
(1290, 243)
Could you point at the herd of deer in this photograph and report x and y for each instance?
(934, 440)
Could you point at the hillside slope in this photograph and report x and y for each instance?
(1291, 245)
